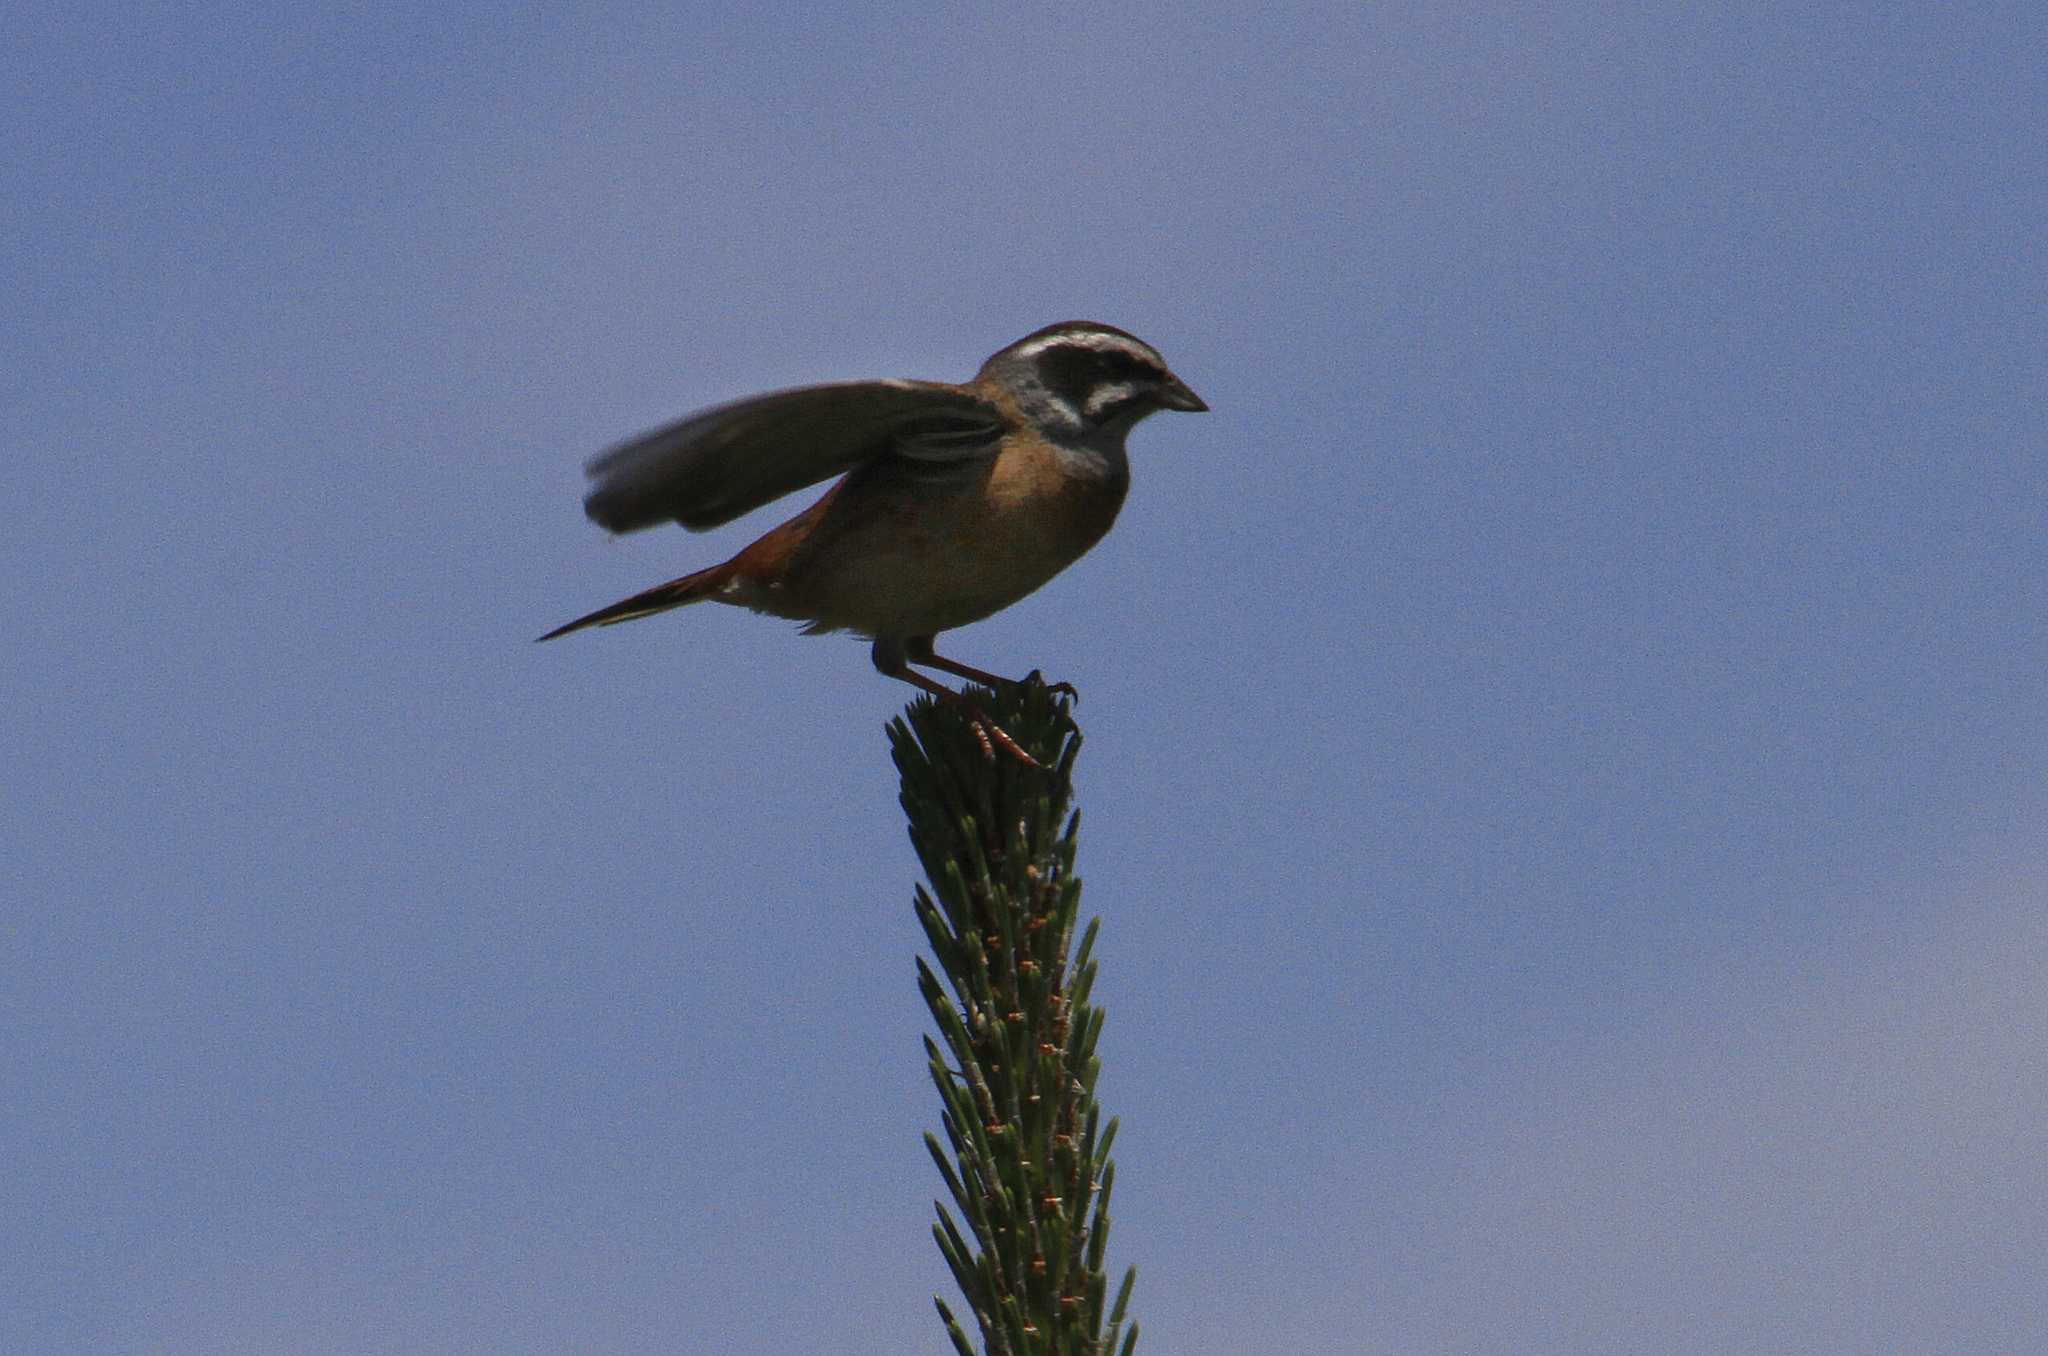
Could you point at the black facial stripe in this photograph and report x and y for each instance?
(1072, 372)
(1119, 365)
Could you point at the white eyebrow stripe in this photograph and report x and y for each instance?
(1092, 339)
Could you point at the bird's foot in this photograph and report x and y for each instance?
(1057, 689)
(992, 736)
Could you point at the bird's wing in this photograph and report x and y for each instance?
(713, 466)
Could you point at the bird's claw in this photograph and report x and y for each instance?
(994, 736)
(1057, 689)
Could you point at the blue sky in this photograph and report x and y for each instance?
(1565, 736)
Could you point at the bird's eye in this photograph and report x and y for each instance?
(1119, 366)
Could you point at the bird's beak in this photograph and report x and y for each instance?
(1175, 395)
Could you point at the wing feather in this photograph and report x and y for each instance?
(715, 465)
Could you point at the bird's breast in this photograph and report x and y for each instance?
(889, 555)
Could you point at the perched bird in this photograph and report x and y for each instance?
(954, 501)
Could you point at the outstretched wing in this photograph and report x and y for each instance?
(713, 466)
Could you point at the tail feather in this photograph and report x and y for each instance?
(691, 588)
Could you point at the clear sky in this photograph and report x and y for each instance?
(1564, 781)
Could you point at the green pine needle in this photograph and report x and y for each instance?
(1014, 1063)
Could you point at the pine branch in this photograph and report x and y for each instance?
(1025, 1157)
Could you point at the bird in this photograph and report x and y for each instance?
(952, 501)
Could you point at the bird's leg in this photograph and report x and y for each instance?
(893, 660)
(918, 650)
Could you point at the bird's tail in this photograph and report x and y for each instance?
(691, 588)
